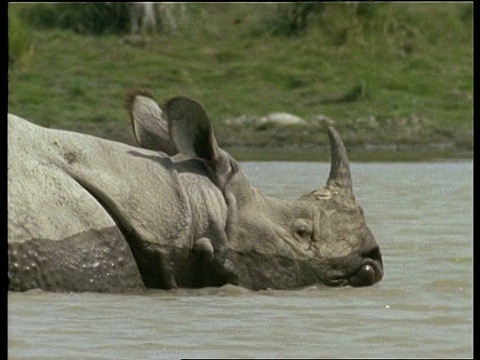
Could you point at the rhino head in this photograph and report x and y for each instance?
(271, 243)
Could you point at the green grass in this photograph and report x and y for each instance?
(411, 58)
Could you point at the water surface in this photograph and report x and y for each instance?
(422, 217)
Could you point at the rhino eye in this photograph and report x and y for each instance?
(303, 232)
(302, 229)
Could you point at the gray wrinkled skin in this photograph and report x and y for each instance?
(88, 214)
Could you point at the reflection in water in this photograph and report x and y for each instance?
(421, 215)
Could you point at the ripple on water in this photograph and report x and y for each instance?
(452, 285)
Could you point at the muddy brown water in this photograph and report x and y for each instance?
(422, 216)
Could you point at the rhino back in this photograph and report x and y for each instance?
(81, 179)
(43, 201)
(76, 202)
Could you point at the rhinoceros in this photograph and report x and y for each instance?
(90, 214)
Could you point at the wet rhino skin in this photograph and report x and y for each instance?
(88, 214)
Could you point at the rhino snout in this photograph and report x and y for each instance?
(368, 271)
(371, 270)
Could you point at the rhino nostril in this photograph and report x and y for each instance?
(373, 254)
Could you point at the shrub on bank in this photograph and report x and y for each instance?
(19, 43)
(94, 18)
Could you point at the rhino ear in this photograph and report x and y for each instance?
(190, 128)
(150, 127)
(339, 169)
(192, 134)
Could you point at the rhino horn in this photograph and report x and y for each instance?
(339, 169)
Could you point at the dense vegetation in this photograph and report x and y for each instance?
(70, 65)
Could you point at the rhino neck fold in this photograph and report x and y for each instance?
(151, 279)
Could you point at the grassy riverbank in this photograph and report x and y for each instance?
(396, 81)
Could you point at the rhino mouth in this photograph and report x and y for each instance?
(368, 273)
